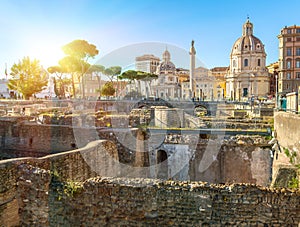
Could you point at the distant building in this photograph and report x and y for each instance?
(273, 73)
(199, 76)
(183, 74)
(93, 85)
(185, 89)
(219, 88)
(289, 59)
(4, 91)
(247, 75)
(209, 84)
(147, 63)
(166, 85)
(184, 81)
(204, 84)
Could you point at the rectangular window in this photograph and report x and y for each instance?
(297, 75)
(298, 63)
(298, 51)
(288, 76)
(258, 62)
(289, 51)
(289, 39)
(289, 31)
(288, 64)
(298, 30)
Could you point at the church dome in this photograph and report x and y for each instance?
(247, 42)
(167, 66)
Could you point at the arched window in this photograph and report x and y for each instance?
(234, 63)
(246, 62)
(288, 64)
(258, 62)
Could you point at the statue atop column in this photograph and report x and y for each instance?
(193, 50)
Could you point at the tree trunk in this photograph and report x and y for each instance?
(73, 86)
(99, 85)
(83, 86)
(55, 87)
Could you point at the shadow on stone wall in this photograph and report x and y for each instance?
(25, 182)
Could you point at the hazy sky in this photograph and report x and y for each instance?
(39, 28)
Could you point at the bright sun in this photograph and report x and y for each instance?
(48, 52)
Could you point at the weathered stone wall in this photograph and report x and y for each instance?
(22, 177)
(25, 139)
(287, 132)
(169, 117)
(243, 164)
(240, 159)
(43, 192)
(18, 135)
(185, 157)
(8, 194)
(144, 202)
(287, 128)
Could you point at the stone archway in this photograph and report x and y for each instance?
(200, 110)
(162, 164)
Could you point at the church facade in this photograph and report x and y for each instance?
(247, 76)
(167, 84)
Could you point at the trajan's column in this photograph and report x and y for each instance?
(192, 70)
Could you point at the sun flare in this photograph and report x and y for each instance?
(48, 52)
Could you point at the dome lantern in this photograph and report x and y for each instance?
(248, 28)
(166, 56)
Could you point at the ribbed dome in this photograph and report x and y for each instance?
(247, 42)
(167, 66)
